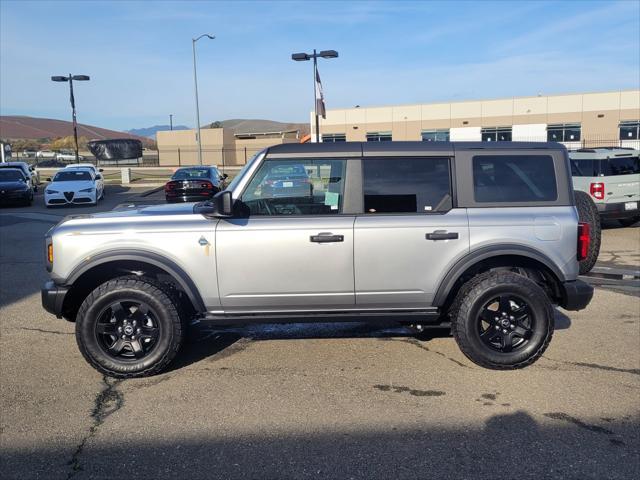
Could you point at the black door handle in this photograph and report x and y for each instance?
(442, 235)
(326, 237)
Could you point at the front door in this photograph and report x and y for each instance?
(409, 234)
(291, 248)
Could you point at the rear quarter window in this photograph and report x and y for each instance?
(514, 178)
(621, 166)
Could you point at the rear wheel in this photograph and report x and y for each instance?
(502, 320)
(129, 327)
(588, 213)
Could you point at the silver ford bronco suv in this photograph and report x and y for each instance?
(482, 237)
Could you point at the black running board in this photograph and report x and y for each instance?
(431, 315)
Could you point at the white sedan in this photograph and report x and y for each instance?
(74, 186)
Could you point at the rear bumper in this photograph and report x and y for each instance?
(617, 210)
(53, 297)
(576, 295)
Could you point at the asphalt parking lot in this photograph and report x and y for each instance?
(316, 401)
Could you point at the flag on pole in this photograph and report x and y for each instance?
(320, 108)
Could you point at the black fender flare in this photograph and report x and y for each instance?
(143, 256)
(483, 253)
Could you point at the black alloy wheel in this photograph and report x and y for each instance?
(127, 329)
(505, 323)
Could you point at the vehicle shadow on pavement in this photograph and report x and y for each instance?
(519, 444)
(205, 340)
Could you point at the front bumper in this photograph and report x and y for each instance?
(576, 295)
(617, 210)
(70, 198)
(15, 196)
(53, 297)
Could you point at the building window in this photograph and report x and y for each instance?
(496, 134)
(630, 130)
(378, 136)
(333, 137)
(441, 135)
(565, 132)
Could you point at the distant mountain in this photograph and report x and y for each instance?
(22, 127)
(150, 132)
(243, 125)
(237, 125)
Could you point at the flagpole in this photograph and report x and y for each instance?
(315, 94)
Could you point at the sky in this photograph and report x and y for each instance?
(139, 56)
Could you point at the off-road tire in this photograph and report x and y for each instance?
(471, 298)
(588, 213)
(172, 332)
(627, 222)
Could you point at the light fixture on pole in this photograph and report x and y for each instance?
(195, 81)
(70, 78)
(317, 86)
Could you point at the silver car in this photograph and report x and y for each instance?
(484, 238)
(611, 176)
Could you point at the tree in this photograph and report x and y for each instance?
(67, 143)
(216, 124)
(24, 144)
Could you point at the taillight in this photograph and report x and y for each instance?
(584, 239)
(207, 185)
(169, 186)
(597, 190)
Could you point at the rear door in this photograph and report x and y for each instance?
(410, 231)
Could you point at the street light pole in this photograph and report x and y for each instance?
(301, 57)
(315, 95)
(171, 121)
(72, 99)
(195, 81)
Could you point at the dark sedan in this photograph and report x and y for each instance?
(194, 184)
(14, 187)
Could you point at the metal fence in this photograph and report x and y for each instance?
(233, 157)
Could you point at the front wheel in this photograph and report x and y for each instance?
(502, 320)
(129, 327)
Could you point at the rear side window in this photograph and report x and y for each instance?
(584, 168)
(621, 166)
(514, 178)
(406, 185)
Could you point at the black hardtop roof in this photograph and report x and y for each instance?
(406, 147)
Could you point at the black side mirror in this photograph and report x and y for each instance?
(101, 170)
(225, 176)
(223, 203)
(49, 179)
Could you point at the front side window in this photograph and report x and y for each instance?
(514, 178)
(439, 135)
(333, 137)
(630, 130)
(564, 132)
(406, 185)
(296, 187)
(378, 136)
(620, 166)
(496, 134)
